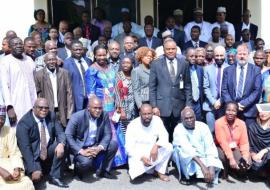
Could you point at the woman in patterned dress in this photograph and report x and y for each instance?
(41, 26)
(125, 102)
(100, 81)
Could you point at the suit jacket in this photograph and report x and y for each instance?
(62, 53)
(94, 32)
(253, 31)
(155, 42)
(140, 84)
(251, 45)
(165, 94)
(210, 86)
(179, 37)
(78, 128)
(252, 88)
(189, 44)
(80, 100)
(28, 138)
(64, 91)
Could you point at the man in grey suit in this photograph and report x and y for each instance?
(212, 88)
(90, 137)
(170, 87)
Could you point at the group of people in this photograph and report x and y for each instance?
(126, 94)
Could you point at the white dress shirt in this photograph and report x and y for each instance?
(53, 78)
(68, 52)
(85, 65)
(39, 127)
(174, 64)
(238, 71)
(91, 138)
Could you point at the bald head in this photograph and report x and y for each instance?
(50, 46)
(188, 118)
(95, 107)
(146, 114)
(41, 108)
(219, 55)
(11, 34)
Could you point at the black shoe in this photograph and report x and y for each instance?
(78, 174)
(105, 174)
(57, 182)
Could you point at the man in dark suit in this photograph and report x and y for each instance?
(170, 86)
(242, 83)
(149, 40)
(245, 34)
(195, 41)
(65, 51)
(90, 31)
(89, 136)
(246, 24)
(196, 75)
(177, 35)
(77, 65)
(42, 141)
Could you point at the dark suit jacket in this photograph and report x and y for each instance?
(165, 94)
(78, 128)
(155, 42)
(80, 100)
(253, 31)
(179, 37)
(94, 32)
(28, 138)
(189, 44)
(252, 88)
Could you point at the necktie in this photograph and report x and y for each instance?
(172, 71)
(196, 44)
(218, 82)
(83, 75)
(43, 142)
(240, 83)
(195, 85)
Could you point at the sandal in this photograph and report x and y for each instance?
(185, 181)
(163, 177)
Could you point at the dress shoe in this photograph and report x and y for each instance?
(78, 174)
(58, 182)
(105, 174)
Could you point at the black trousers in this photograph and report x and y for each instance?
(83, 164)
(170, 123)
(52, 164)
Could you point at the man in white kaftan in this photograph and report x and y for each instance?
(195, 149)
(18, 86)
(11, 165)
(147, 145)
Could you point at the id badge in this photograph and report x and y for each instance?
(116, 117)
(233, 145)
(181, 84)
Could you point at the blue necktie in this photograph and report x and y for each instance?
(240, 83)
(218, 82)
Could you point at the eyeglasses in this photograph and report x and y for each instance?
(42, 107)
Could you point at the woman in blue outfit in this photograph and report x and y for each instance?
(100, 81)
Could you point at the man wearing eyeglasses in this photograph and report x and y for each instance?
(42, 141)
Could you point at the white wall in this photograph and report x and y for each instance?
(16, 15)
(260, 15)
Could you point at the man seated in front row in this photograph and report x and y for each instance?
(196, 150)
(147, 145)
(11, 164)
(90, 137)
(42, 141)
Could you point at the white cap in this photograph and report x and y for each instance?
(221, 10)
(178, 12)
(166, 33)
(263, 107)
(124, 10)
